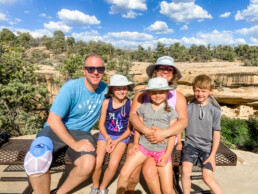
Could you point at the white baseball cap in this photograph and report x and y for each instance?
(39, 157)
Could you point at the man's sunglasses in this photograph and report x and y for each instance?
(92, 69)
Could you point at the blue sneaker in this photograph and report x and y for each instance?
(94, 190)
(105, 191)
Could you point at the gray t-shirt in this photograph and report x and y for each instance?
(158, 118)
(199, 132)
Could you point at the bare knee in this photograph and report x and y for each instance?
(186, 172)
(150, 172)
(113, 165)
(85, 165)
(168, 190)
(208, 179)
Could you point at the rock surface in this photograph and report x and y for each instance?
(237, 90)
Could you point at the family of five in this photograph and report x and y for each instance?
(149, 127)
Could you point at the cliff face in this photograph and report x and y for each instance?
(237, 90)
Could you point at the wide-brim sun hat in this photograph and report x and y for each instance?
(165, 60)
(120, 80)
(158, 83)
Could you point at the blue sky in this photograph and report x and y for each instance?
(129, 23)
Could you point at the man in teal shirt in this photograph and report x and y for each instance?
(75, 110)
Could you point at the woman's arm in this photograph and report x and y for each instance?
(182, 122)
(134, 118)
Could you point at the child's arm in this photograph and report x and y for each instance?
(179, 144)
(163, 160)
(215, 145)
(137, 135)
(102, 120)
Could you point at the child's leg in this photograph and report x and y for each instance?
(115, 158)
(207, 176)
(166, 178)
(135, 176)
(130, 165)
(101, 151)
(186, 179)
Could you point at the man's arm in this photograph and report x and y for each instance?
(182, 122)
(56, 124)
(214, 148)
(134, 118)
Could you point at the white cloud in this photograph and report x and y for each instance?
(27, 11)
(130, 14)
(130, 36)
(35, 34)
(7, 1)
(57, 26)
(216, 37)
(45, 16)
(76, 18)
(254, 41)
(192, 40)
(184, 27)
(159, 27)
(3, 17)
(253, 31)
(225, 15)
(127, 7)
(185, 11)
(87, 36)
(250, 14)
(18, 20)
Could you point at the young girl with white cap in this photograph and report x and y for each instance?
(114, 131)
(156, 113)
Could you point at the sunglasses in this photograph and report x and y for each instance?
(170, 69)
(92, 69)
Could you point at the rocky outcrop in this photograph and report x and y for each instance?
(237, 85)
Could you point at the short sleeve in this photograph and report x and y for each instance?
(216, 119)
(140, 110)
(63, 100)
(172, 114)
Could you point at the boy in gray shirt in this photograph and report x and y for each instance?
(202, 134)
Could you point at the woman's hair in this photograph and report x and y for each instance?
(204, 82)
(174, 79)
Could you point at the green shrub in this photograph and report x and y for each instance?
(241, 133)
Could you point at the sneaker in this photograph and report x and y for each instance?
(105, 191)
(94, 190)
(54, 191)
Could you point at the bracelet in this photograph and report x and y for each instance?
(107, 137)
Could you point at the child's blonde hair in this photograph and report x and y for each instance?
(204, 82)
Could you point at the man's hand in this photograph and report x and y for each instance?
(212, 161)
(156, 135)
(83, 145)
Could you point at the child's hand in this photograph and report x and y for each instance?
(133, 150)
(109, 144)
(113, 145)
(163, 160)
(179, 146)
(212, 161)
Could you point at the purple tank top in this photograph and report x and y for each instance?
(117, 119)
(171, 98)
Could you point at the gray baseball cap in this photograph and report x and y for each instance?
(165, 60)
(158, 83)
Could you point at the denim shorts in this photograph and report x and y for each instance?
(196, 157)
(60, 146)
(113, 137)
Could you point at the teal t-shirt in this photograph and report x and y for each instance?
(79, 107)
